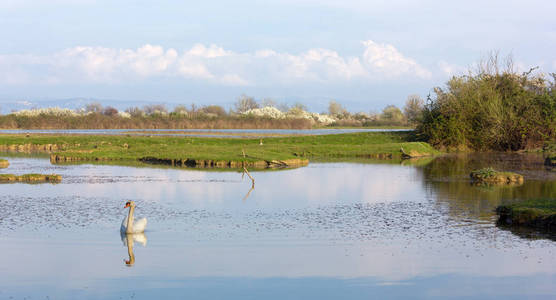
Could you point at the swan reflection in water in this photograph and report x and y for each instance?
(129, 239)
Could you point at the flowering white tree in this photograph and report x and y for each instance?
(51, 111)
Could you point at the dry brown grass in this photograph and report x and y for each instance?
(100, 121)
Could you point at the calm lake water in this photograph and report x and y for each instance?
(416, 229)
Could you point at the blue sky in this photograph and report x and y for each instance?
(365, 54)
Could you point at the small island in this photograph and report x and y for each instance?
(4, 163)
(537, 213)
(30, 178)
(491, 176)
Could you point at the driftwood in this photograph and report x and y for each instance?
(251, 177)
(245, 171)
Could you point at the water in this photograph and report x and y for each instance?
(230, 133)
(326, 231)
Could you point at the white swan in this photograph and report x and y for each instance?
(128, 226)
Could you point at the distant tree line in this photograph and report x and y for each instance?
(246, 113)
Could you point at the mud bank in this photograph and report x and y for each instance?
(195, 163)
(32, 148)
(30, 178)
(4, 163)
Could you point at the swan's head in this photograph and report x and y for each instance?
(129, 203)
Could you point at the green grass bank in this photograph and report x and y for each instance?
(219, 152)
(537, 213)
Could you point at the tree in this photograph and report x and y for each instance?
(135, 111)
(214, 109)
(335, 108)
(297, 109)
(392, 115)
(110, 111)
(156, 109)
(245, 103)
(180, 110)
(413, 109)
(93, 107)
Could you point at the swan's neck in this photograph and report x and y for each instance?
(131, 260)
(129, 226)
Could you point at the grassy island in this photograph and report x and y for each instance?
(490, 176)
(31, 178)
(4, 163)
(219, 152)
(538, 213)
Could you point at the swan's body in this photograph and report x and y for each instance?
(128, 224)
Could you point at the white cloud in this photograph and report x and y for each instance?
(99, 62)
(211, 52)
(210, 63)
(386, 59)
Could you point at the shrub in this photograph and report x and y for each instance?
(491, 110)
(110, 111)
(216, 110)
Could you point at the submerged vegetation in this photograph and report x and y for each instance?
(538, 213)
(493, 108)
(218, 152)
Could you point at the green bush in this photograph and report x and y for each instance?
(491, 110)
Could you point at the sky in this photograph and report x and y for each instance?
(363, 54)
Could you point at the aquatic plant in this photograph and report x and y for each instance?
(485, 172)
